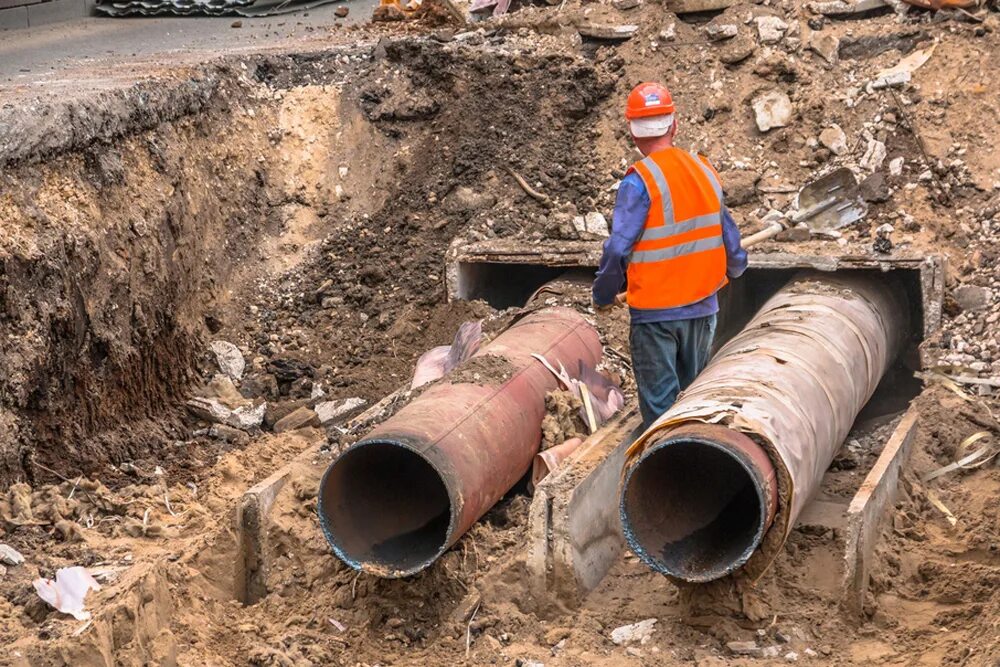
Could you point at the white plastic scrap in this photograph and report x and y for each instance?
(439, 361)
(902, 71)
(68, 591)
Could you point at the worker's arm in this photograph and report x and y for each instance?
(631, 208)
(736, 256)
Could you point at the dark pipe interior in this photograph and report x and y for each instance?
(384, 505)
(693, 510)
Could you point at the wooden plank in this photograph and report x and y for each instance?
(869, 507)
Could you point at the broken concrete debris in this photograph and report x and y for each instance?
(332, 412)
(840, 9)
(972, 297)
(634, 633)
(718, 32)
(874, 156)
(826, 45)
(244, 417)
(770, 29)
(592, 223)
(10, 556)
(833, 137)
(772, 109)
(230, 359)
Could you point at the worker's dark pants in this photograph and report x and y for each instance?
(666, 358)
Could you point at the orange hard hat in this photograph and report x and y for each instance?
(649, 99)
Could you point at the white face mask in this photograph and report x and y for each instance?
(653, 126)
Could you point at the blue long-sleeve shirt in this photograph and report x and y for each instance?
(631, 208)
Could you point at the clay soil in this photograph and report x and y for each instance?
(300, 206)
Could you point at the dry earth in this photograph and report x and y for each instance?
(299, 205)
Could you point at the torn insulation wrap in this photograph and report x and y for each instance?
(793, 382)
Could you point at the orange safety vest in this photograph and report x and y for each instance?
(680, 258)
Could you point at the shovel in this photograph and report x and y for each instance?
(826, 204)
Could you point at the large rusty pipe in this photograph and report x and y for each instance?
(717, 482)
(399, 498)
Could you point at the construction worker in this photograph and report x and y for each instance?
(676, 244)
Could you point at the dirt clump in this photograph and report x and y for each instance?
(562, 420)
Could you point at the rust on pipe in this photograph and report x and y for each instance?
(399, 498)
(718, 481)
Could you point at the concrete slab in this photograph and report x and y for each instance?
(869, 507)
(573, 525)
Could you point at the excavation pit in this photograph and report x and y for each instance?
(575, 539)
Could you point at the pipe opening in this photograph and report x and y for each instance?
(693, 510)
(383, 505)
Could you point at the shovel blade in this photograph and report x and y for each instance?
(831, 202)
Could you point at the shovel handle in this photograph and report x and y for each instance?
(763, 235)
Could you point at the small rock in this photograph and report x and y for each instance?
(834, 138)
(640, 632)
(772, 109)
(229, 358)
(10, 556)
(874, 155)
(770, 652)
(825, 45)
(298, 419)
(791, 656)
(464, 199)
(634, 652)
(236, 24)
(811, 653)
(592, 223)
(745, 648)
(875, 188)
(770, 29)
(719, 32)
(625, 5)
(341, 12)
(893, 80)
(467, 607)
(740, 186)
(669, 33)
(794, 235)
(972, 297)
(228, 434)
(737, 50)
(896, 166)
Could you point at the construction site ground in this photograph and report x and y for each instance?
(296, 196)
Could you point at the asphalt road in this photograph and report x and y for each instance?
(98, 52)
